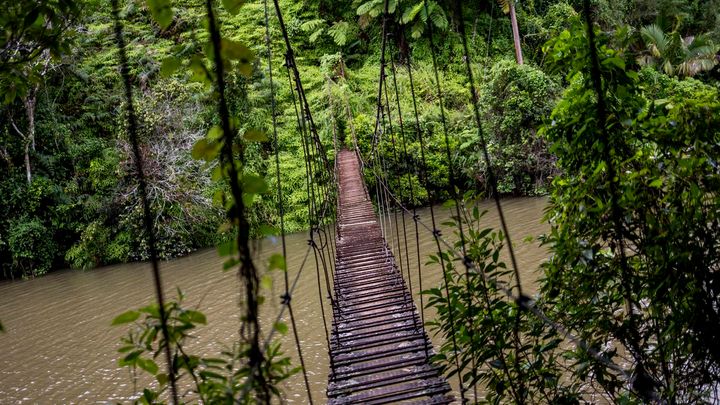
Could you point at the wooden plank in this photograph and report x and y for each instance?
(379, 348)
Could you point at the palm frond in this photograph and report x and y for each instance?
(505, 5)
(653, 35)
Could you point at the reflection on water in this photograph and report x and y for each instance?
(59, 346)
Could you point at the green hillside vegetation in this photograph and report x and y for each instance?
(68, 182)
(609, 109)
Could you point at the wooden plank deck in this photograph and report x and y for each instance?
(379, 348)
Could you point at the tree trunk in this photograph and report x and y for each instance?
(28, 170)
(30, 101)
(516, 33)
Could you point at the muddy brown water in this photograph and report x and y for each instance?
(59, 346)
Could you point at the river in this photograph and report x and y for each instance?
(59, 346)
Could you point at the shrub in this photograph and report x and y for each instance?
(31, 246)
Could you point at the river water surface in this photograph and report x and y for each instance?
(59, 346)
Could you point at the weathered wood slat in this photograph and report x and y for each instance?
(379, 347)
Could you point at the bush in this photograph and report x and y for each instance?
(634, 234)
(514, 102)
(32, 246)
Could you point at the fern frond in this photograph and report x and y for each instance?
(312, 25)
(411, 12)
(339, 32)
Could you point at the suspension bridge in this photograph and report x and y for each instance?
(379, 350)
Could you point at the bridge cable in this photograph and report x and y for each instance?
(453, 190)
(132, 128)
(305, 114)
(287, 297)
(452, 180)
(389, 247)
(301, 128)
(435, 231)
(380, 81)
(414, 214)
(398, 185)
(247, 272)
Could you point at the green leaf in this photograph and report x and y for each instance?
(215, 132)
(255, 135)
(234, 50)
(162, 379)
(277, 261)
(233, 6)
(196, 317)
(230, 263)
(411, 12)
(161, 11)
(169, 66)
(254, 184)
(126, 317)
(152, 310)
(657, 183)
(281, 327)
(227, 248)
(266, 282)
(205, 150)
(148, 365)
(201, 73)
(617, 62)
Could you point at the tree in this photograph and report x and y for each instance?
(413, 13)
(634, 224)
(508, 7)
(676, 55)
(34, 35)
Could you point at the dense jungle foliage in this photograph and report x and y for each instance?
(618, 122)
(67, 177)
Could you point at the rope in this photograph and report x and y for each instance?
(524, 301)
(435, 231)
(380, 81)
(406, 161)
(395, 158)
(147, 215)
(287, 297)
(301, 127)
(248, 272)
(453, 193)
(304, 115)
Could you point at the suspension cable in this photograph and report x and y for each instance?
(287, 297)
(415, 217)
(523, 300)
(396, 163)
(247, 272)
(142, 185)
(435, 231)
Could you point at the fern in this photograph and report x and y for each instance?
(315, 26)
(417, 29)
(315, 35)
(372, 7)
(339, 32)
(438, 18)
(411, 12)
(312, 25)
